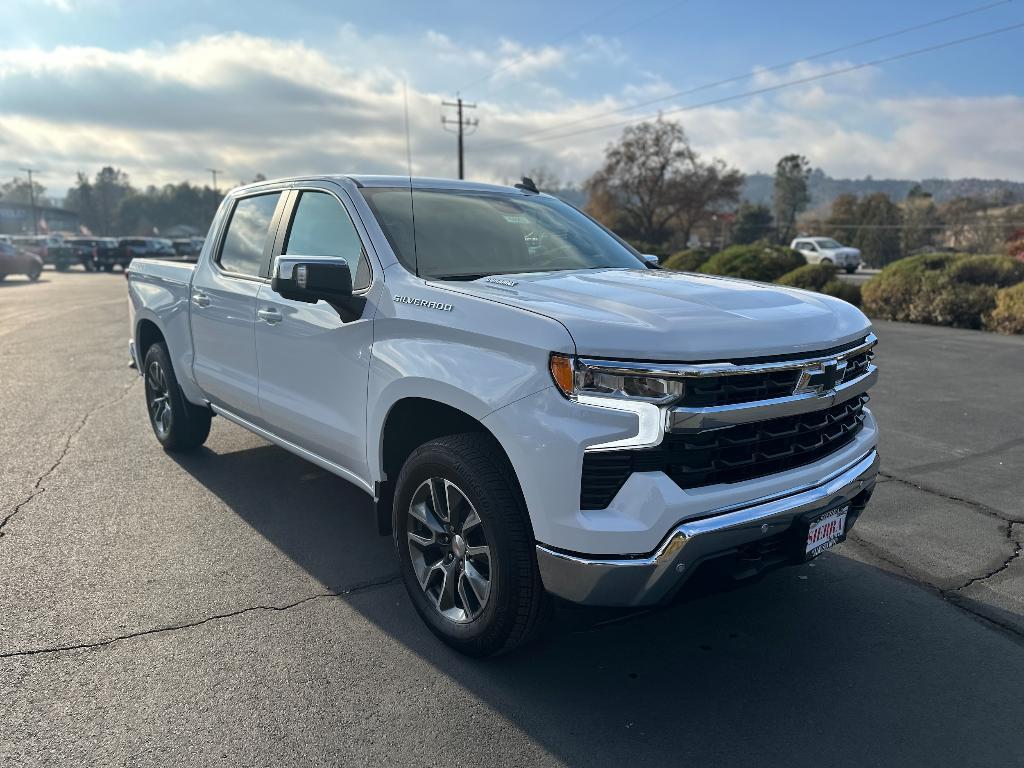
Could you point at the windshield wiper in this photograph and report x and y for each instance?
(461, 276)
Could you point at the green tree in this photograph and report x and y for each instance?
(753, 223)
(790, 194)
(878, 238)
(843, 218)
(17, 191)
(921, 221)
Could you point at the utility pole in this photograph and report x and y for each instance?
(461, 124)
(32, 197)
(214, 172)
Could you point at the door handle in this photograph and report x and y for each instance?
(200, 299)
(269, 316)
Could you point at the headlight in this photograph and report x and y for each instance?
(575, 378)
(617, 388)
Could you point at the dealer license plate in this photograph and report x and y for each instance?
(825, 531)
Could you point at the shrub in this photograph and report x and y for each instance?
(687, 261)
(753, 262)
(812, 277)
(1000, 271)
(1008, 315)
(845, 291)
(942, 289)
(821, 278)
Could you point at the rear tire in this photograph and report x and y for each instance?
(466, 548)
(826, 261)
(34, 273)
(850, 270)
(178, 424)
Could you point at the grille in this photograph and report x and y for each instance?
(706, 392)
(711, 391)
(728, 455)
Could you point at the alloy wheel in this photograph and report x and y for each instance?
(158, 397)
(449, 551)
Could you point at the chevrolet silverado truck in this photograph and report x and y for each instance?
(538, 412)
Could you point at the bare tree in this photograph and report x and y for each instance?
(653, 184)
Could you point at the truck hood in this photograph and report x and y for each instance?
(674, 316)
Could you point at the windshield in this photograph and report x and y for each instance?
(827, 242)
(468, 234)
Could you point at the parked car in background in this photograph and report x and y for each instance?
(825, 250)
(188, 246)
(18, 261)
(50, 248)
(142, 248)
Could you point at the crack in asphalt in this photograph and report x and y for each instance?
(950, 595)
(983, 508)
(355, 588)
(1006, 564)
(37, 486)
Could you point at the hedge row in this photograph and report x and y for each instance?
(767, 263)
(949, 289)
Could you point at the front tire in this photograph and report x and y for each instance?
(178, 424)
(850, 269)
(466, 547)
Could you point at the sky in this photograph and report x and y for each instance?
(167, 90)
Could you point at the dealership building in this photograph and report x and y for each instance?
(16, 219)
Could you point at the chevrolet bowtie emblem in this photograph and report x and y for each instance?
(821, 377)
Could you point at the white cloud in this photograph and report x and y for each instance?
(165, 113)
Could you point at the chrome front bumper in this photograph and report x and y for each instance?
(648, 580)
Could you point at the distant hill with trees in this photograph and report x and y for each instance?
(758, 189)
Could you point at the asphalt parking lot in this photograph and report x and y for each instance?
(236, 606)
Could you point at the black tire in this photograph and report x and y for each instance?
(3, 276)
(108, 267)
(826, 261)
(34, 273)
(61, 266)
(850, 270)
(178, 424)
(516, 607)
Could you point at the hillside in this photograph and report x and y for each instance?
(824, 189)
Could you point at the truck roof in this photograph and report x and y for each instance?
(380, 180)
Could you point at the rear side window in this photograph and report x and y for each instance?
(322, 227)
(246, 238)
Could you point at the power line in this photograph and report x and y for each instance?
(214, 172)
(772, 88)
(773, 68)
(461, 124)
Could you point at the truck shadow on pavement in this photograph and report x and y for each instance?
(834, 663)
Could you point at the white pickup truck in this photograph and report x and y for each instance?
(537, 410)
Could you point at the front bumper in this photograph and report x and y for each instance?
(648, 580)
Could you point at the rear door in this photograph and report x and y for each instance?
(314, 365)
(223, 304)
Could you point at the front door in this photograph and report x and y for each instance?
(223, 306)
(313, 364)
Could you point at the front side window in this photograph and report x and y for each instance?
(463, 235)
(322, 227)
(246, 237)
(827, 242)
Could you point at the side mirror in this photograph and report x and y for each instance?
(311, 278)
(650, 259)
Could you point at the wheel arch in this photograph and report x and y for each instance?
(410, 422)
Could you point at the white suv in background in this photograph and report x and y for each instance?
(825, 250)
